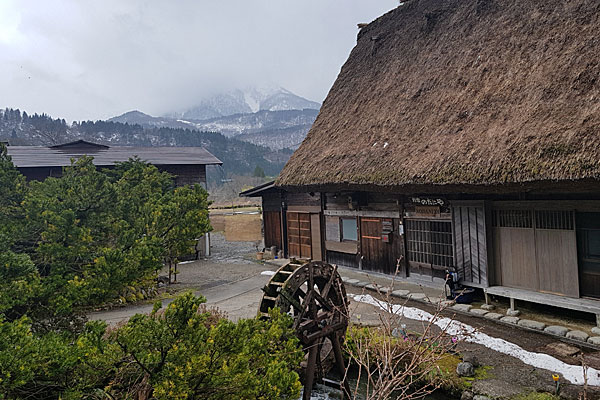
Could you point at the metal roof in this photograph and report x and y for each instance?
(41, 156)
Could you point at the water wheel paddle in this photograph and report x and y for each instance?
(315, 296)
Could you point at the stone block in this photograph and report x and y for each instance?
(513, 313)
(371, 286)
(447, 303)
(489, 307)
(596, 330)
(400, 293)
(527, 323)
(510, 320)
(384, 290)
(462, 307)
(345, 279)
(556, 330)
(362, 284)
(417, 296)
(578, 335)
(478, 311)
(352, 281)
(470, 357)
(594, 340)
(465, 369)
(466, 395)
(493, 315)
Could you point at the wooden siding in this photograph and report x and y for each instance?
(272, 201)
(470, 243)
(316, 243)
(303, 200)
(186, 174)
(272, 229)
(376, 254)
(342, 247)
(41, 173)
(344, 259)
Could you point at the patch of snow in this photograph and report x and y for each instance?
(268, 273)
(386, 144)
(186, 122)
(572, 373)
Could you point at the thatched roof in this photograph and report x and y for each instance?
(462, 92)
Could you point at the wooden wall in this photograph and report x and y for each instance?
(272, 229)
(186, 174)
(372, 211)
(271, 201)
(40, 173)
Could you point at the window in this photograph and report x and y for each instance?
(349, 229)
(554, 220)
(512, 219)
(429, 242)
(332, 229)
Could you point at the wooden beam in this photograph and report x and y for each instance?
(362, 213)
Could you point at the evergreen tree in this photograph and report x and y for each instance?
(259, 172)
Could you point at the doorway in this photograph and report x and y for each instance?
(588, 253)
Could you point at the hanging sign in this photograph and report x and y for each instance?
(428, 201)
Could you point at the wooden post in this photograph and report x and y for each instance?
(512, 304)
(598, 320)
(487, 297)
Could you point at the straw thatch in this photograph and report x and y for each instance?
(462, 92)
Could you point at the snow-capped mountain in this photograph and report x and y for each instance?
(272, 117)
(245, 101)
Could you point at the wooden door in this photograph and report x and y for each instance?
(470, 243)
(272, 226)
(514, 248)
(556, 252)
(588, 244)
(299, 235)
(371, 245)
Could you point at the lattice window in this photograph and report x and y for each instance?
(512, 219)
(554, 220)
(429, 242)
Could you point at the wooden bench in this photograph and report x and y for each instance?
(570, 303)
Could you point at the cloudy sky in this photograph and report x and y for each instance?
(88, 59)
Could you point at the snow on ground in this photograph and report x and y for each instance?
(572, 373)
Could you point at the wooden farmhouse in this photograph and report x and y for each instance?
(461, 135)
(186, 164)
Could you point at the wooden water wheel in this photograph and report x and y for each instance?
(314, 295)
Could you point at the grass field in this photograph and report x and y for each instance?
(237, 227)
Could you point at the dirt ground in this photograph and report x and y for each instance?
(231, 280)
(244, 225)
(506, 376)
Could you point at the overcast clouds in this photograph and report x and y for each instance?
(86, 59)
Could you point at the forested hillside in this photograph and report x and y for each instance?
(239, 157)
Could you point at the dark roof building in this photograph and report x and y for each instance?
(462, 94)
(188, 164)
(460, 136)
